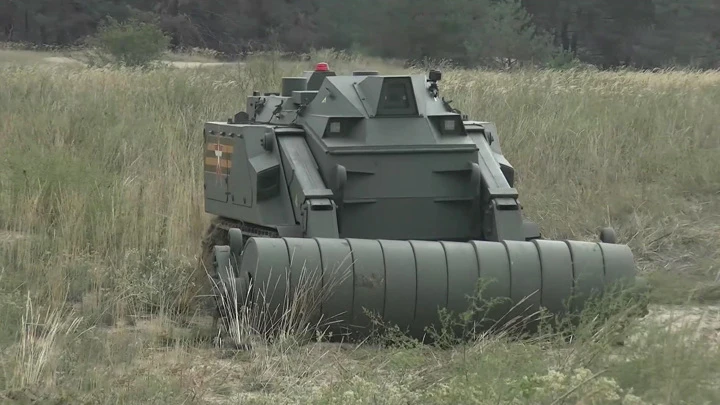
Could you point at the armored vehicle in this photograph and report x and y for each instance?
(394, 202)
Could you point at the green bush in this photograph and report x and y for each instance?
(130, 43)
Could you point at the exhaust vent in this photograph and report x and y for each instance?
(365, 73)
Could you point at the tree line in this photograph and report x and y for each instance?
(605, 33)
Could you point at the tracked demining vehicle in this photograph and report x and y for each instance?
(385, 200)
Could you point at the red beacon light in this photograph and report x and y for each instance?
(322, 67)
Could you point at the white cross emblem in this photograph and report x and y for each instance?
(218, 155)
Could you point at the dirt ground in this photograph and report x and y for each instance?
(178, 64)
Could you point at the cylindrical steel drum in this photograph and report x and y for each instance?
(406, 282)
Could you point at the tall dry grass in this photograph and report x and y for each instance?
(101, 205)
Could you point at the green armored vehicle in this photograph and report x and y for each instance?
(390, 199)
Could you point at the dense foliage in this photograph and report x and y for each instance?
(607, 33)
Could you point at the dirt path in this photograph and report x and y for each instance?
(60, 59)
(199, 64)
(703, 320)
(178, 64)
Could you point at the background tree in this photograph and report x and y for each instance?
(507, 36)
(684, 32)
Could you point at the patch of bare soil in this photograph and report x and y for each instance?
(61, 59)
(224, 374)
(181, 64)
(178, 64)
(702, 321)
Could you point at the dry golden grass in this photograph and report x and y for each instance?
(101, 214)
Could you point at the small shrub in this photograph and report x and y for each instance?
(130, 43)
(564, 60)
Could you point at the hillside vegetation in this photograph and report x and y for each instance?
(101, 215)
(607, 33)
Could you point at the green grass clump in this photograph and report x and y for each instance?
(101, 215)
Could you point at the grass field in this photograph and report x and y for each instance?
(101, 215)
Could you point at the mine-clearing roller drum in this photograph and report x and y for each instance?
(372, 194)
